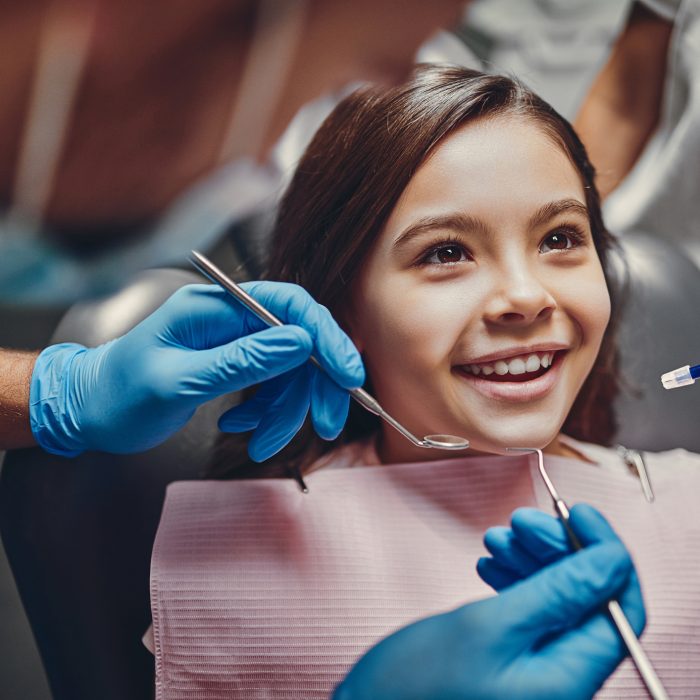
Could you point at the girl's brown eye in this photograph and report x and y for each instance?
(449, 254)
(557, 241)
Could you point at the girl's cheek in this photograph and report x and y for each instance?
(584, 297)
(596, 310)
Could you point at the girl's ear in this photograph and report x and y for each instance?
(358, 343)
(355, 336)
(348, 320)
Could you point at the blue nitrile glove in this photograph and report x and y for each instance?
(134, 392)
(536, 539)
(543, 638)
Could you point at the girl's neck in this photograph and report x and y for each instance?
(561, 448)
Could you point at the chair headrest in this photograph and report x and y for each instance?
(660, 331)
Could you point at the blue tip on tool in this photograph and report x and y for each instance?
(683, 376)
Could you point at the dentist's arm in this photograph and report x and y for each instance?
(543, 637)
(134, 392)
(623, 106)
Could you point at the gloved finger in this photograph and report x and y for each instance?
(250, 360)
(202, 316)
(507, 551)
(284, 417)
(494, 575)
(545, 538)
(247, 415)
(242, 418)
(590, 525)
(541, 534)
(561, 594)
(332, 347)
(329, 406)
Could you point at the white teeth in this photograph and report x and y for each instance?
(533, 363)
(518, 365)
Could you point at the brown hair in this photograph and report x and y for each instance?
(344, 190)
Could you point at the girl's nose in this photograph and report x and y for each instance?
(519, 298)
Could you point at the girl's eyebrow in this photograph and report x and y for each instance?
(549, 211)
(455, 222)
(461, 222)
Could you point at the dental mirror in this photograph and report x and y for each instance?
(446, 442)
(437, 442)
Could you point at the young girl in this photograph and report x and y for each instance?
(453, 228)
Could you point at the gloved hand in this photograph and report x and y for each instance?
(134, 392)
(543, 638)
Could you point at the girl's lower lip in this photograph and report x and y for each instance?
(518, 392)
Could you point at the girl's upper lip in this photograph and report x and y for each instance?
(516, 351)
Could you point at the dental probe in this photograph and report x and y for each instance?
(213, 273)
(683, 376)
(634, 646)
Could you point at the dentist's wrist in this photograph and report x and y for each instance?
(50, 410)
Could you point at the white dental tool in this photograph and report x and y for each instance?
(634, 646)
(683, 376)
(213, 273)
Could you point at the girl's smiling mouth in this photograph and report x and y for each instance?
(520, 378)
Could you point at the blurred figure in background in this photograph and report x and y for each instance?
(111, 112)
(641, 123)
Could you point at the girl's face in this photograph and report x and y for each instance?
(482, 305)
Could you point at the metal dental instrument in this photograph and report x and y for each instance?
(635, 461)
(634, 646)
(213, 273)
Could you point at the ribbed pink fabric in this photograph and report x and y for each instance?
(259, 591)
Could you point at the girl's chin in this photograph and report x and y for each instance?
(499, 445)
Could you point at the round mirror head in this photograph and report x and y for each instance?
(446, 442)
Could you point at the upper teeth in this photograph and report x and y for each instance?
(516, 365)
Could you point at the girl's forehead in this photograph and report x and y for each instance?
(496, 169)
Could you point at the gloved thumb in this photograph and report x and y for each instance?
(563, 593)
(247, 361)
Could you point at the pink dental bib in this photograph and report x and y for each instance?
(260, 591)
